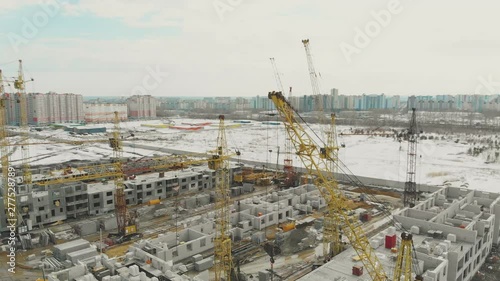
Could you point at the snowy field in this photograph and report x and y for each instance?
(439, 160)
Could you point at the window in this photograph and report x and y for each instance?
(183, 180)
(148, 186)
(175, 254)
(203, 242)
(109, 201)
(96, 196)
(41, 209)
(53, 213)
(193, 178)
(97, 205)
(109, 193)
(160, 190)
(184, 187)
(148, 193)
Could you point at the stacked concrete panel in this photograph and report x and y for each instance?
(61, 250)
(86, 227)
(82, 254)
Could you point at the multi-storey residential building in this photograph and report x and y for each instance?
(45, 108)
(453, 230)
(48, 204)
(104, 112)
(141, 107)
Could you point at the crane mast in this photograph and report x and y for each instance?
(126, 222)
(310, 155)
(410, 192)
(4, 152)
(332, 237)
(287, 161)
(318, 100)
(222, 243)
(20, 86)
(277, 75)
(404, 260)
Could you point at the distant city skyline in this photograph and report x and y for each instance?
(193, 48)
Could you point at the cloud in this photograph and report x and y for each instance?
(134, 13)
(9, 6)
(231, 57)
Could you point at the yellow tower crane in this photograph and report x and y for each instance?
(223, 262)
(9, 192)
(404, 259)
(310, 155)
(20, 86)
(125, 220)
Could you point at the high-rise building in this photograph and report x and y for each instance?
(141, 107)
(104, 112)
(44, 109)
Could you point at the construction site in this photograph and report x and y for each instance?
(236, 200)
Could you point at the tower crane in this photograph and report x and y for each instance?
(318, 99)
(4, 152)
(277, 75)
(223, 262)
(404, 260)
(310, 155)
(328, 153)
(410, 192)
(20, 86)
(287, 161)
(125, 220)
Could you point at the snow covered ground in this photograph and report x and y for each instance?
(438, 161)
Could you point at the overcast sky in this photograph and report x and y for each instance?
(222, 47)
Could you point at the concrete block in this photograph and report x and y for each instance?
(109, 223)
(451, 237)
(82, 255)
(258, 237)
(204, 264)
(197, 258)
(415, 229)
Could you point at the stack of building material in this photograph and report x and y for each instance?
(44, 239)
(86, 227)
(204, 264)
(109, 223)
(82, 254)
(357, 270)
(60, 251)
(203, 199)
(26, 241)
